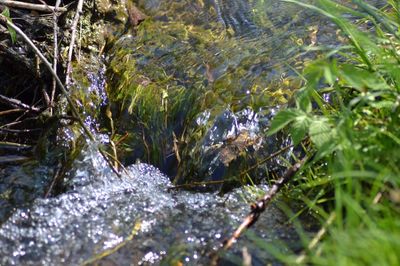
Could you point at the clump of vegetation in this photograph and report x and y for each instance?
(349, 109)
(171, 74)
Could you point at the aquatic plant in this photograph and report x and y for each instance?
(170, 75)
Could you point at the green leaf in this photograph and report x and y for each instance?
(303, 100)
(321, 132)
(299, 128)
(362, 79)
(282, 119)
(13, 34)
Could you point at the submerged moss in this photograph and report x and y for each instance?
(177, 70)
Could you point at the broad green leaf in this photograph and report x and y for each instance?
(282, 119)
(299, 128)
(362, 79)
(303, 99)
(321, 132)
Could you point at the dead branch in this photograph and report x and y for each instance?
(72, 43)
(17, 110)
(198, 184)
(55, 54)
(36, 7)
(13, 145)
(258, 207)
(275, 154)
(19, 131)
(18, 104)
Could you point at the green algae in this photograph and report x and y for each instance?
(161, 80)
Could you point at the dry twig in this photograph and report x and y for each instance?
(72, 43)
(36, 7)
(55, 55)
(18, 104)
(258, 207)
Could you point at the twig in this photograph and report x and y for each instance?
(56, 176)
(36, 7)
(17, 122)
(13, 145)
(198, 184)
(258, 207)
(74, 111)
(317, 238)
(18, 104)
(55, 55)
(6, 112)
(72, 43)
(20, 131)
(266, 159)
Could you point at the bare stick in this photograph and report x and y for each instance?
(36, 7)
(258, 207)
(72, 43)
(18, 104)
(55, 55)
(13, 145)
(56, 175)
(74, 111)
(275, 154)
(20, 131)
(17, 110)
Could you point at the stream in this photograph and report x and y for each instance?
(101, 210)
(136, 219)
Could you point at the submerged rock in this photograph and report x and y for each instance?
(132, 220)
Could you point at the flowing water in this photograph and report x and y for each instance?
(100, 211)
(137, 219)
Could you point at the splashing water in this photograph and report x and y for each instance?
(100, 211)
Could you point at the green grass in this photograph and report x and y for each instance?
(355, 174)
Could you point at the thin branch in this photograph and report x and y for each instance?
(18, 121)
(198, 184)
(6, 112)
(258, 207)
(57, 174)
(18, 104)
(55, 55)
(36, 7)
(72, 43)
(13, 145)
(20, 131)
(275, 154)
